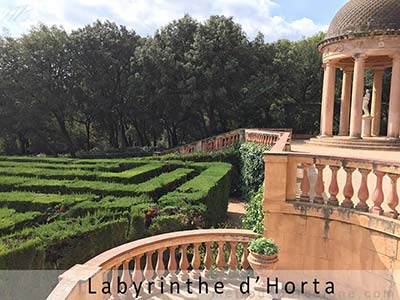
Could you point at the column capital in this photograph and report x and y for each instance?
(348, 70)
(360, 56)
(328, 64)
(379, 70)
(396, 57)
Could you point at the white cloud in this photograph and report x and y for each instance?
(145, 16)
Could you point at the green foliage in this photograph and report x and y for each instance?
(21, 254)
(102, 90)
(10, 220)
(165, 224)
(252, 168)
(211, 188)
(26, 201)
(264, 246)
(228, 155)
(59, 227)
(254, 218)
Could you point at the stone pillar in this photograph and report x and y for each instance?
(328, 98)
(394, 104)
(376, 105)
(357, 96)
(345, 102)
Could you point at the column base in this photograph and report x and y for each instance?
(354, 137)
(324, 136)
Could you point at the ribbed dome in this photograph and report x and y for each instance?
(366, 17)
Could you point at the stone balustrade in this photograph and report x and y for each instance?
(155, 259)
(354, 195)
(268, 137)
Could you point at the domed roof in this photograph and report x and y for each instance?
(364, 18)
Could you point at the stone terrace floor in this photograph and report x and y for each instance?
(301, 146)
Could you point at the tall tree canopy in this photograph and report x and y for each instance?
(105, 87)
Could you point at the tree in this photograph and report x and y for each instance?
(219, 60)
(102, 55)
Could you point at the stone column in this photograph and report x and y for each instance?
(328, 97)
(357, 96)
(377, 102)
(345, 102)
(394, 104)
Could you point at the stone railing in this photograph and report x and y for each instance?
(362, 189)
(268, 137)
(340, 212)
(144, 261)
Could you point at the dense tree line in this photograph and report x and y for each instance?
(103, 86)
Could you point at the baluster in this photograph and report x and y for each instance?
(172, 266)
(184, 264)
(348, 190)
(378, 195)
(196, 262)
(137, 273)
(105, 279)
(305, 184)
(160, 268)
(148, 271)
(319, 185)
(127, 278)
(363, 193)
(333, 187)
(114, 283)
(232, 261)
(220, 262)
(207, 260)
(244, 261)
(393, 197)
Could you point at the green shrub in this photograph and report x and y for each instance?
(211, 187)
(10, 220)
(165, 224)
(254, 218)
(82, 243)
(157, 197)
(28, 201)
(109, 203)
(264, 246)
(252, 168)
(21, 254)
(228, 155)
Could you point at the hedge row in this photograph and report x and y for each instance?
(135, 175)
(229, 155)
(10, 220)
(155, 186)
(43, 165)
(28, 201)
(208, 191)
(58, 245)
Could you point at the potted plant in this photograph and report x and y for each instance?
(263, 258)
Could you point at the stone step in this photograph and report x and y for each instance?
(379, 145)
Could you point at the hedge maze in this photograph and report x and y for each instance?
(55, 210)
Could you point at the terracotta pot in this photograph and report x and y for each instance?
(262, 266)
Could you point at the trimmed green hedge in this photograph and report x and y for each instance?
(154, 187)
(58, 245)
(28, 201)
(156, 197)
(135, 175)
(211, 188)
(228, 155)
(252, 168)
(10, 220)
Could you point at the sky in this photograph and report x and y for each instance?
(276, 19)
